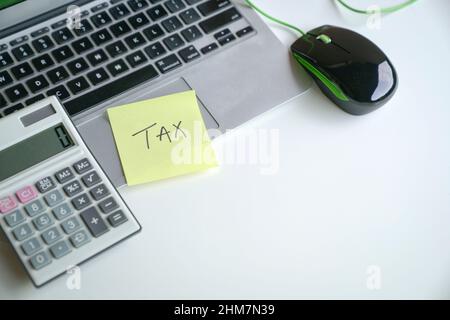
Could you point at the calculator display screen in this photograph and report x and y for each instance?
(34, 150)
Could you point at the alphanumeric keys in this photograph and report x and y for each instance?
(77, 66)
(3, 102)
(37, 84)
(70, 225)
(137, 5)
(57, 75)
(171, 24)
(22, 70)
(73, 188)
(175, 5)
(116, 49)
(117, 67)
(22, 232)
(119, 11)
(14, 218)
(64, 175)
(31, 246)
(191, 34)
(43, 44)
(157, 12)
(139, 20)
(13, 109)
(168, 63)
(101, 37)
(46, 184)
(98, 76)
(189, 16)
(188, 54)
(43, 62)
(40, 260)
(62, 211)
(60, 92)
(5, 59)
(135, 40)
(136, 59)
(94, 222)
(80, 202)
(120, 28)
(82, 45)
(22, 52)
(34, 99)
(62, 53)
(154, 32)
(84, 27)
(78, 85)
(101, 19)
(16, 93)
(82, 166)
(173, 42)
(62, 35)
(42, 222)
(5, 79)
(51, 235)
(155, 50)
(53, 198)
(97, 57)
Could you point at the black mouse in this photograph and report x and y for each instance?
(350, 69)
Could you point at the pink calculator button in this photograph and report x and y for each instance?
(7, 204)
(26, 194)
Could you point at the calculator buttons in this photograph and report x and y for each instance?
(26, 194)
(31, 246)
(62, 211)
(99, 192)
(40, 260)
(94, 222)
(70, 225)
(34, 208)
(15, 218)
(53, 198)
(117, 218)
(22, 232)
(45, 185)
(72, 189)
(108, 205)
(81, 202)
(50, 236)
(60, 249)
(7, 204)
(82, 166)
(42, 222)
(64, 175)
(91, 179)
(80, 238)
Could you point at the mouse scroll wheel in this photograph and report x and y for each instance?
(324, 38)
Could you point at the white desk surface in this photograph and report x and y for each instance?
(351, 192)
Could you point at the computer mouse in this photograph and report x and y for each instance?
(349, 68)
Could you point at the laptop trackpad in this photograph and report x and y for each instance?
(98, 135)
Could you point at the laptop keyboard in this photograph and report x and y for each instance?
(120, 44)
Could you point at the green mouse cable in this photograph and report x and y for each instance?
(342, 2)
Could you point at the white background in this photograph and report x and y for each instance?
(351, 192)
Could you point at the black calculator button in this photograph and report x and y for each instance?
(80, 202)
(45, 185)
(90, 179)
(82, 166)
(117, 218)
(64, 175)
(99, 192)
(72, 189)
(94, 222)
(108, 205)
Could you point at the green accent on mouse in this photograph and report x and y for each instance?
(324, 38)
(327, 82)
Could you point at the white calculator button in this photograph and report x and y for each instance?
(60, 249)
(51, 235)
(7, 204)
(40, 260)
(53, 198)
(34, 208)
(31, 246)
(80, 238)
(14, 218)
(42, 222)
(70, 225)
(62, 211)
(22, 232)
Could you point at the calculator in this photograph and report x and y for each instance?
(57, 206)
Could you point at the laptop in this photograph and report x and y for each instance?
(93, 55)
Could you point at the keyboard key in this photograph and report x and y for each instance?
(34, 208)
(46, 184)
(22, 52)
(189, 16)
(82, 166)
(23, 232)
(70, 225)
(13, 109)
(5, 79)
(80, 238)
(42, 222)
(188, 54)
(137, 5)
(90, 179)
(60, 92)
(82, 45)
(191, 2)
(72, 189)
(227, 39)
(244, 32)
(101, 37)
(5, 59)
(191, 34)
(111, 89)
(119, 11)
(173, 42)
(77, 66)
(81, 201)
(62, 35)
(100, 19)
(58, 74)
(34, 99)
(51, 235)
(31, 246)
(154, 32)
(120, 29)
(7, 204)
(157, 12)
(16, 93)
(99, 7)
(99, 192)
(40, 260)
(155, 50)
(108, 205)
(175, 5)
(117, 67)
(43, 44)
(222, 34)
(39, 32)
(116, 49)
(136, 59)
(62, 53)
(37, 84)
(60, 249)
(53, 198)
(138, 21)
(22, 70)
(209, 7)
(135, 40)
(84, 27)
(62, 211)
(220, 20)
(43, 62)
(97, 57)
(94, 222)
(64, 175)
(172, 24)
(168, 63)
(98, 76)
(117, 218)
(18, 40)
(78, 85)
(3, 102)
(14, 218)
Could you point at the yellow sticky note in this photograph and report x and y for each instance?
(161, 138)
